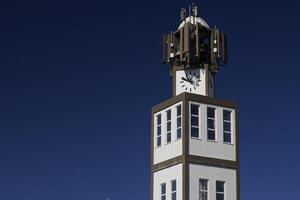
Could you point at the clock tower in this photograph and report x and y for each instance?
(194, 136)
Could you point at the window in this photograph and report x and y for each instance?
(194, 120)
(163, 191)
(178, 121)
(158, 130)
(168, 126)
(173, 190)
(211, 130)
(203, 189)
(227, 126)
(220, 192)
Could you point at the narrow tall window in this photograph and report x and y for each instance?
(227, 126)
(194, 120)
(178, 122)
(203, 189)
(220, 190)
(168, 126)
(211, 130)
(163, 191)
(158, 130)
(173, 190)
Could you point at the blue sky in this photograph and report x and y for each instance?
(78, 80)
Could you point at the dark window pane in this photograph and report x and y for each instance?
(227, 115)
(203, 195)
(178, 110)
(169, 115)
(169, 126)
(194, 109)
(211, 112)
(158, 141)
(178, 121)
(211, 135)
(227, 137)
(195, 132)
(220, 196)
(194, 121)
(158, 130)
(203, 184)
(173, 186)
(168, 137)
(220, 186)
(179, 133)
(163, 188)
(174, 196)
(158, 119)
(211, 123)
(163, 198)
(227, 126)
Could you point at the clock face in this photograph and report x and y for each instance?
(189, 80)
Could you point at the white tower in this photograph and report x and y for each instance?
(194, 145)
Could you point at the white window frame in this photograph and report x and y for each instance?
(190, 120)
(203, 191)
(178, 128)
(173, 191)
(160, 127)
(215, 123)
(163, 196)
(168, 132)
(224, 187)
(228, 132)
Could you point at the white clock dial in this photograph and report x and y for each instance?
(189, 81)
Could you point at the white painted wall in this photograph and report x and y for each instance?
(166, 176)
(213, 149)
(212, 174)
(173, 149)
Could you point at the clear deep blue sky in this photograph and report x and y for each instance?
(78, 80)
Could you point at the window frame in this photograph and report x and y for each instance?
(168, 132)
(214, 121)
(231, 127)
(173, 191)
(156, 128)
(198, 118)
(163, 196)
(221, 192)
(178, 116)
(204, 191)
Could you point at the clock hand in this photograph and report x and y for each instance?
(187, 80)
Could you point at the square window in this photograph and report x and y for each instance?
(194, 121)
(158, 119)
(169, 115)
(227, 126)
(179, 122)
(220, 196)
(220, 186)
(211, 123)
(178, 110)
(179, 133)
(168, 126)
(227, 115)
(168, 137)
(158, 130)
(195, 132)
(194, 109)
(211, 135)
(227, 137)
(211, 112)
(158, 141)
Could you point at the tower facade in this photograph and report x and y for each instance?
(194, 136)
